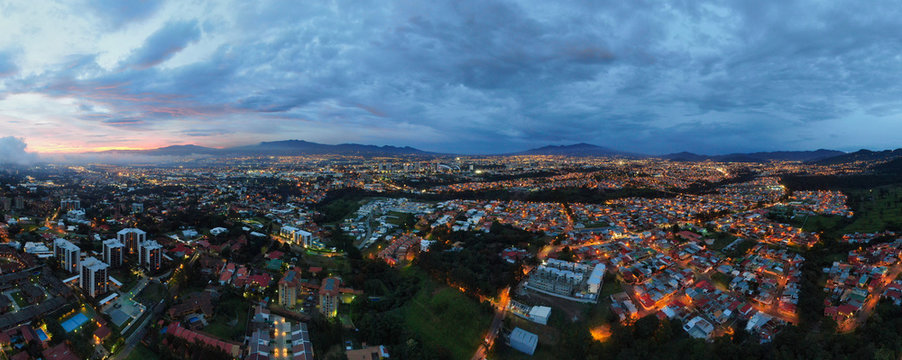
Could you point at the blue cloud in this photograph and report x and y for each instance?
(480, 76)
(164, 43)
(119, 12)
(7, 66)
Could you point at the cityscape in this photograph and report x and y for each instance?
(453, 180)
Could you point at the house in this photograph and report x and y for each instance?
(368, 353)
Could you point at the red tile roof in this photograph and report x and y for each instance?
(176, 330)
(59, 352)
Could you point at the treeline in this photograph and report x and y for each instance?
(477, 264)
(379, 315)
(836, 182)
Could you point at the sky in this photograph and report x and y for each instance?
(453, 76)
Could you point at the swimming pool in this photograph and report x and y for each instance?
(74, 322)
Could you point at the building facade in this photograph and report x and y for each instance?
(132, 238)
(68, 254)
(94, 277)
(296, 236)
(112, 252)
(288, 288)
(329, 296)
(150, 255)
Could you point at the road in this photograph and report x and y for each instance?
(497, 322)
(138, 334)
(862, 315)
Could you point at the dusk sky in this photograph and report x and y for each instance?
(456, 76)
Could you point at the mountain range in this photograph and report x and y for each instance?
(278, 148)
(301, 147)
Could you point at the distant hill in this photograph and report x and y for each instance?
(861, 155)
(277, 148)
(758, 156)
(174, 150)
(301, 147)
(581, 149)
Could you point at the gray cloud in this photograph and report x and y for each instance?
(12, 151)
(493, 76)
(164, 43)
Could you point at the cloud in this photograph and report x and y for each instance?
(12, 151)
(475, 76)
(7, 66)
(164, 43)
(118, 13)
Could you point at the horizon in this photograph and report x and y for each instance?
(467, 78)
(11, 147)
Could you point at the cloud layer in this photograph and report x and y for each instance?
(12, 151)
(457, 76)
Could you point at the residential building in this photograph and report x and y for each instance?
(369, 353)
(329, 296)
(150, 254)
(112, 252)
(289, 286)
(296, 236)
(69, 204)
(132, 238)
(68, 254)
(94, 277)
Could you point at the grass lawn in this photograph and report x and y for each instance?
(446, 318)
(721, 240)
(141, 352)
(875, 210)
(17, 296)
(721, 279)
(152, 294)
(128, 280)
(598, 313)
(227, 311)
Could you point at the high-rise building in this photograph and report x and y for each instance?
(150, 254)
(69, 204)
(112, 252)
(94, 277)
(68, 254)
(296, 236)
(20, 203)
(6, 204)
(329, 296)
(288, 288)
(132, 238)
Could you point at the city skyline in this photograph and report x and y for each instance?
(487, 77)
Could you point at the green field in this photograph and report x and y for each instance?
(141, 352)
(152, 293)
(875, 210)
(447, 319)
(230, 319)
(17, 296)
(721, 240)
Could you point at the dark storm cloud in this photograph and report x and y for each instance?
(494, 76)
